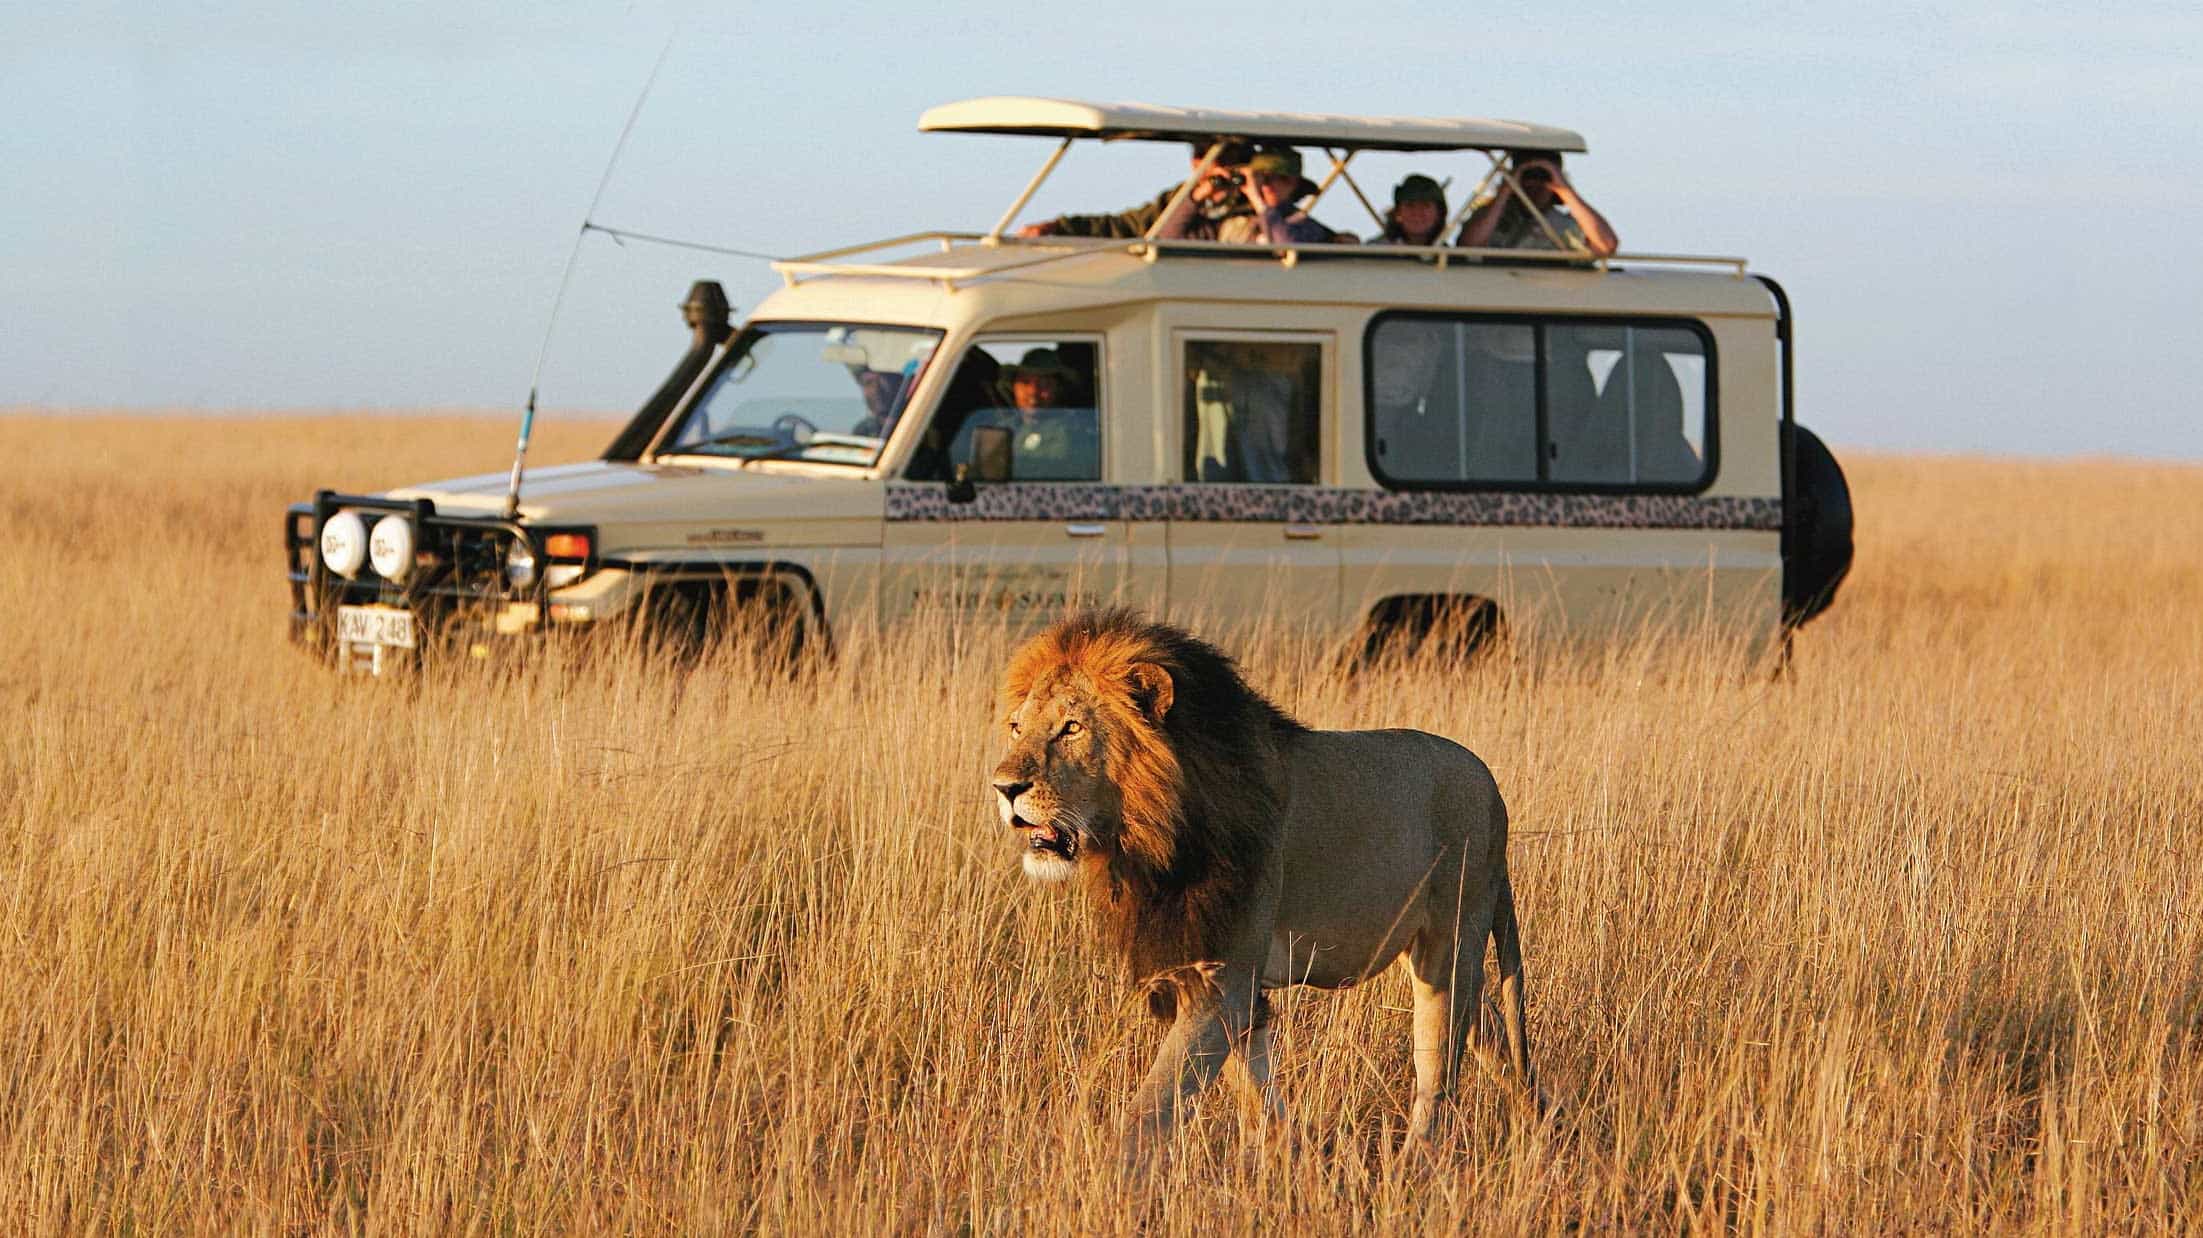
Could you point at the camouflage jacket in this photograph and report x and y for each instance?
(1134, 223)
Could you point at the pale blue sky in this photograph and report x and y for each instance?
(1986, 215)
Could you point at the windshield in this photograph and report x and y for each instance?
(824, 392)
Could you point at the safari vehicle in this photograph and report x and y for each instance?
(1359, 440)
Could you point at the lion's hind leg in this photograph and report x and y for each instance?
(1507, 944)
(1449, 983)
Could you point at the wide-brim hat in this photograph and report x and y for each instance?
(1035, 362)
(1275, 161)
(1419, 188)
(1281, 161)
(1038, 361)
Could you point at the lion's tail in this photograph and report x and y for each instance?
(1507, 942)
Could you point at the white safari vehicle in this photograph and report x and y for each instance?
(1369, 440)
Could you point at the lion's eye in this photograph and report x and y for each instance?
(1071, 728)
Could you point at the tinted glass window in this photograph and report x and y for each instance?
(1454, 401)
(1625, 404)
(1461, 402)
(1253, 411)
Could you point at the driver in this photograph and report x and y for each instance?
(881, 390)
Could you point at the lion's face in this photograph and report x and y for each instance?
(1053, 787)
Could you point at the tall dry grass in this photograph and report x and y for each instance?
(1913, 940)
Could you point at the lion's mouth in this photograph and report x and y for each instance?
(1046, 838)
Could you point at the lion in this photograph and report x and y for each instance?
(1230, 850)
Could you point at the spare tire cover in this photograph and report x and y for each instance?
(1816, 537)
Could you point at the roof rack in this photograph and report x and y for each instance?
(833, 262)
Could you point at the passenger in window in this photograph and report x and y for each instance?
(1274, 184)
(1248, 402)
(1050, 440)
(1418, 427)
(1215, 198)
(1585, 440)
(1500, 222)
(1418, 212)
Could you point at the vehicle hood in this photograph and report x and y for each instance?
(603, 492)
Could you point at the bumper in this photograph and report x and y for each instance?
(456, 590)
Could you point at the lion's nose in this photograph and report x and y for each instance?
(1011, 790)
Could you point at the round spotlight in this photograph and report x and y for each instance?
(390, 548)
(344, 544)
(520, 564)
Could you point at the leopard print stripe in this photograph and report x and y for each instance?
(928, 501)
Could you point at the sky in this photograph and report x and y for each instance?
(1986, 216)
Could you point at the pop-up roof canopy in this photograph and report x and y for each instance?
(1340, 138)
(1069, 118)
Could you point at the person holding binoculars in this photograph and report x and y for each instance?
(1501, 222)
(1215, 198)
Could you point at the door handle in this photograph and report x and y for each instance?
(1082, 529)
(1303, 532)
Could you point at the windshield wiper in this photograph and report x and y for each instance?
(785, 450)
(733, 438)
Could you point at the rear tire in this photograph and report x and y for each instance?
(1455, 629)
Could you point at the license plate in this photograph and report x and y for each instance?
(375, 625)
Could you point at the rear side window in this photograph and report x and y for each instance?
(1458, 402)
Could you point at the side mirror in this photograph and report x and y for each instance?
(990, 453)
(960, 487)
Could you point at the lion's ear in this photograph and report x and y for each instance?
(1151, 689)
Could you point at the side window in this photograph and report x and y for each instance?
(1043, 393)
(1253, 411)
(1552, 404)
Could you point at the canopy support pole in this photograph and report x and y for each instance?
(1185, 190)
(1031, 187)
(1338, 170)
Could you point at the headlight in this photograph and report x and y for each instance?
(344, 544)
(520, 564)
(390, 548)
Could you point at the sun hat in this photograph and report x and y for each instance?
(1420, 188)
(1275, 161)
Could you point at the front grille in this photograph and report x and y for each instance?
(459, 564)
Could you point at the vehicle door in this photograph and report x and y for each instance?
(1005, 507)
(1252, 539)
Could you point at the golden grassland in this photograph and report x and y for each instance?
(1913, 939)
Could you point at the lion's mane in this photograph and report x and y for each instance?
(1201, 793)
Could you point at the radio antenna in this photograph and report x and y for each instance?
(527, 417)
